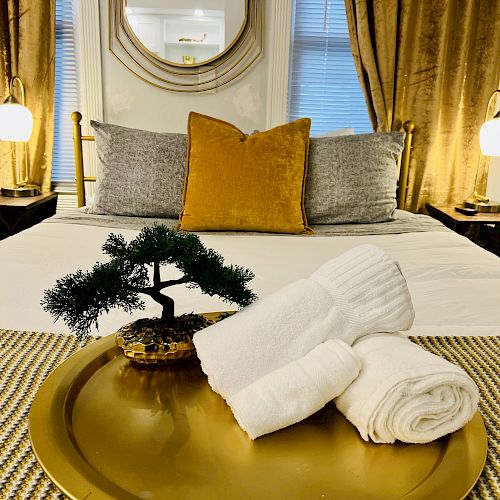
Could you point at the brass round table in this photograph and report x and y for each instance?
(102, 428)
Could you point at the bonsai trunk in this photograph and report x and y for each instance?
(167, 315)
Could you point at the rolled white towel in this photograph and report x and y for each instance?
(406, 393)
(360, 292)
(295, 391)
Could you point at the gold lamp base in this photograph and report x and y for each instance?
(22, 191)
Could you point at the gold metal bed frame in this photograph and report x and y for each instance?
(81, 178)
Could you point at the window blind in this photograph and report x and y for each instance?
(323, 81)
(66, 95)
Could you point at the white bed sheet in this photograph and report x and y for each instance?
(455, 285)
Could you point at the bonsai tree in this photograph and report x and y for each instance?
(81, 297)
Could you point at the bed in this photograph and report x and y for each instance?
(447, 274)
(454, 284)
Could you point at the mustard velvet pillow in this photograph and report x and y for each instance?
(236, 182)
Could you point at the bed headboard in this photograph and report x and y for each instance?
(404, 167)
(81, 178)
(78, 139)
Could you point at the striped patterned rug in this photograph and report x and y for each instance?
(480, 358)
(27, 358)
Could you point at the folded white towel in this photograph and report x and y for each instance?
(406, 393)
(360, 292)
(297, 390)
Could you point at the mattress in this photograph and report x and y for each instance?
(454, 284)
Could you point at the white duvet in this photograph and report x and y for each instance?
(455, 285)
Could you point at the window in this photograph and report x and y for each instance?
(66, 95)
(323, 80)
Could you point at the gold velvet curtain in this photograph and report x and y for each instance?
(27, 49)
(435, 62)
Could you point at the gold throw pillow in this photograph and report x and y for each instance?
(236, 182)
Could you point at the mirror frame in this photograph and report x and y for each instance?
(243, 52)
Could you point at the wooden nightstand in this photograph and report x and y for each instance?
(17, 214)
(481, 228)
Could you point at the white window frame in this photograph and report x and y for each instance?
(279, 36)
(88, 45)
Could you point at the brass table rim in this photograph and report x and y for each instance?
(53, 445)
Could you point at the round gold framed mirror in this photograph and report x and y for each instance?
(186, 45)
(186, 32)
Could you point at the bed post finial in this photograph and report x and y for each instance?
(76, 116)
(77, 142)
(408, 127)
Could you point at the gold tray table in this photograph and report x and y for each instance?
(103, 429)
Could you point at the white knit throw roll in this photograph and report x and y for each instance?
(295, 391)
(406, 393)
(358, 293)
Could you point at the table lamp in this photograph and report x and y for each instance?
(16, 125)
(489, 140)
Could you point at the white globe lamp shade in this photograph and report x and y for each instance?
(16, 122)
(489, 137)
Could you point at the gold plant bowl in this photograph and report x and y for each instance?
(149, 343)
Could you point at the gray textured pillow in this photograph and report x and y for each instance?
(139, 173)
(352, 178)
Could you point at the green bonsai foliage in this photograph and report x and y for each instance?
(81, 297)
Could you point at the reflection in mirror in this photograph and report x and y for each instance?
(186, 32)
(187, 45)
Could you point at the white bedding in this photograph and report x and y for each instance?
(455, 285)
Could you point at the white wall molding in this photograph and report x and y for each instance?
(90, 74)
(278, 48)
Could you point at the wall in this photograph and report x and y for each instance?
(129, 101)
